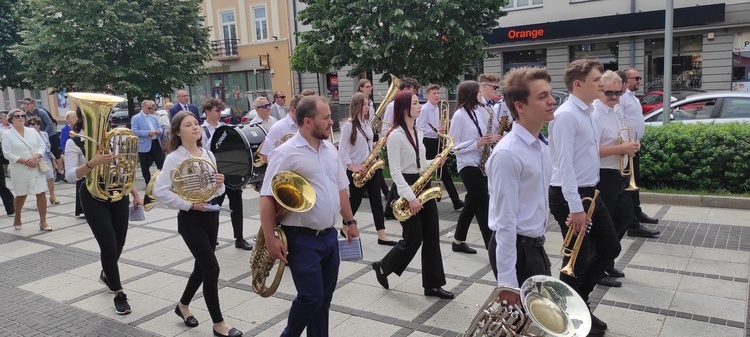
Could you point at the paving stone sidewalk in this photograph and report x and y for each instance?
(691, 281)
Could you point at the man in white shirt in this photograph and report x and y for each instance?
(634, 119)
(574, 146)
(518, 173)
(263, 113)
(313, 248)
(283, 127)
(279, 109)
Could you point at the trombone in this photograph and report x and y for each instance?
(626, 165)
(445, 121)
(572, 252)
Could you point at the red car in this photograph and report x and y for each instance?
(655, 99)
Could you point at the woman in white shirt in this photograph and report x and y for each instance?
(197, 224)
(355, 144)
(406, 157)
(34, 123)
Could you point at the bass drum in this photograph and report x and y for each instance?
(233, 147)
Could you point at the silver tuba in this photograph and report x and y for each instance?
(550, 308)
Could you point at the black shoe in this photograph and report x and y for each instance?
(121, 304)
(242, 244)
(458, 205)
(232, 333)
(439, 292)
(190, 321)
(609, 282)
(463, 248)
(596, 322)
(642, 231)
(643, 217)
(105, 281)
(595, 332)
(613, 272)
(382, 278)
(387, 242)
(59, 177)
(11, 213)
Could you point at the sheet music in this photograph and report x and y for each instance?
(137, 213)
(350, 251)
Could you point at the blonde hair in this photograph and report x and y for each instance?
(611, 76)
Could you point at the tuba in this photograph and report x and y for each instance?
(401, 210)
(626, 165)
(193, 180)
(550, 308)
(114, 181)
(295, 194)
(572, 252)
(377, 120)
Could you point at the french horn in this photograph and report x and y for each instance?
(193, 180)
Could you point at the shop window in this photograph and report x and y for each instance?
(235, 85)
(687, 63)
(261, 23)
(523, 3)
(741, 62)
(606, 52)
(259, 83)
(524, 58)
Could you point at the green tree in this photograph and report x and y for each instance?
(11, 12)
(139, 47)
(433, 41)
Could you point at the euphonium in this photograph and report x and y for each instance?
(377, 121)
(295, 194)
(193, 180)
(372, 163)
(550, 308)
(573, 252)
(626, 166)
(114, 181)
(401, 210)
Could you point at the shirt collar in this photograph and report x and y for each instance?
(578, 102)
(289, 120)
(603, 107)
(300, 141)
(524, 134)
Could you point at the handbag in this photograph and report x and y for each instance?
(41, 164)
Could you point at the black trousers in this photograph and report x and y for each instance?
(600, 246)
(79, 207)
(634, 195)
(423, 230)
(431, 148)
(235, 204)
(477, 204)
(619, 203)
(373, 189)
(108, 221)
(55, 148)
(6, 194)
(200, 230)
(530, 260)
(155, 155)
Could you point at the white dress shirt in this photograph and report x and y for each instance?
(207, 131)
(518, 174)
(401, 160)
(430, 115)
(279, 129)
(633, 114)
(322, 168)
(387, 119)
(357, 153)
(465, 136)
(163, 185)
(609, 121)
(267, 124)
(574, 146)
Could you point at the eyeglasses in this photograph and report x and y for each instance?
(282, 97)
(637, 78)
(151, 108)
(266, 106)
(612, 94)
(19, 116)
(367, 86)
(33, 124)
(492, 85)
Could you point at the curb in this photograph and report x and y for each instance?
(672, 199)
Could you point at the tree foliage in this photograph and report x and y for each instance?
(139, 47)
(11, 12)
(433, 40)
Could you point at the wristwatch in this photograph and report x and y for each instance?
(350, 222)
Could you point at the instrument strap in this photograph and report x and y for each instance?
(415, 145)
(473, 115)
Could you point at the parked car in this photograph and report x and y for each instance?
(655, 99)
(119, 118)
(249, 116)
(710, 107)
(560, 97)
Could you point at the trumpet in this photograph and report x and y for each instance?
(626, 165)
(572, 252)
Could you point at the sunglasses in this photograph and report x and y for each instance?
(19, 116)
(493, 86)
(612, 94)
(34, 124)
(637, 78)
(266, 106)
(283, 97)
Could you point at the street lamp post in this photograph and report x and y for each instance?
(667, 107)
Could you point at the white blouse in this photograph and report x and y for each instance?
(357, 153)
(163, 184)
(402, 160)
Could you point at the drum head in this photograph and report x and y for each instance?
(234, 147)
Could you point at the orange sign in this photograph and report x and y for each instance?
(525, 34)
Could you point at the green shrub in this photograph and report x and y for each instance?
(709, 157)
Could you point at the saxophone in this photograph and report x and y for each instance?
(504, 126)
(372, 163)
(401, 210)
(487, 147)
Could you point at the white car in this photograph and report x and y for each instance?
(710, 107)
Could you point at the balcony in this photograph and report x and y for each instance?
(225, 49)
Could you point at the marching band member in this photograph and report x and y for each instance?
(430, 115)
(108, 220)
(469, 132)
(518, 174)
(406, 158)
(365, 86)
(313, 249)
(574, 146)
(354, 146)
(198, 226)
(281, 128)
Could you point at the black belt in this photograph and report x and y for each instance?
(588, 191)
(305, 230)
(533, 242)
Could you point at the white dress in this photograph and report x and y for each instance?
(25, 180)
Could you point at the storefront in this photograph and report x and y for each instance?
(237, 88)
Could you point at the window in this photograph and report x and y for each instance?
(261, 23)
(687, 63)
(524, 58)
(652, 99)
(694, 110)
(523, 3)
(228, 34)
(735, 107)
(606, 52)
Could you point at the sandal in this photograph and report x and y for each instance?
(17, 227)
(45, 228)
(54, 200)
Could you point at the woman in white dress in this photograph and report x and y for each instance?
(24, 148)
(34, 123)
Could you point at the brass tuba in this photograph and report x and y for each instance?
(193, 180)
(295, 194)
(401, 210)
(572, 252)
(114, 181)
(550, 308)
(377, 120)
(626, 165)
